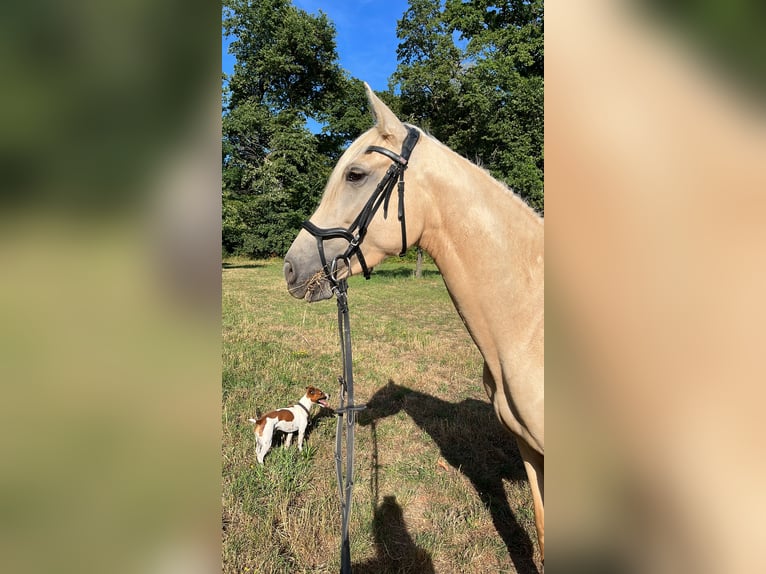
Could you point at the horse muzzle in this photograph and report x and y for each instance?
(308, 270)
(315, 287)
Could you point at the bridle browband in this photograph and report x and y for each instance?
(356, 232)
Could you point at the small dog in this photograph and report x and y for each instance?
(287, 420)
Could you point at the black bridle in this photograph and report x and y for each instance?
(356, 232)
(355, 235)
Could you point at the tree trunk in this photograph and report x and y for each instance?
(419, 265)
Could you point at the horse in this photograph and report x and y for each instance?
(487, 243)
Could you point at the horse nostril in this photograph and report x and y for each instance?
(289, 273)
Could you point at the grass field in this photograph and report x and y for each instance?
(439, 486)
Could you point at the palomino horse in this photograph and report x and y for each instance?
(488, 245)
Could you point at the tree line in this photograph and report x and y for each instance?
(471, 74)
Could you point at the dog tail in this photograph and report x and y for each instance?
(257, 417)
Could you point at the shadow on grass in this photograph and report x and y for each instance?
(479, 447)
(242, 265)
(395, 549)
(403, 272)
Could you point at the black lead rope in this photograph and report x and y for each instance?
(348, 409)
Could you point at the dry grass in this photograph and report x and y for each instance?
(439, 484)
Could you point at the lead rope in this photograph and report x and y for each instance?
(349, 409)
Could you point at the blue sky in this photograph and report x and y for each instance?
(365, 36)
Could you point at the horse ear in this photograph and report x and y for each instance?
(386, 121)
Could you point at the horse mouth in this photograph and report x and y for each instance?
(317, 288)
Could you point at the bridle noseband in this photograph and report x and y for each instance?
(356, 232)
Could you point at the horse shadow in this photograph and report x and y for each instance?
(478, 446)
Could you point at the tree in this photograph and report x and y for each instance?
(429, 65)
(274, 168)
(482, 96)
(345, 117)
(285, 57)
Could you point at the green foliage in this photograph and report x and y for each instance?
(345, 117)
(429, 65)
(483, 97)
(285, 57)
(274, 169)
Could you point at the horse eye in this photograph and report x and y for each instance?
(355, 176)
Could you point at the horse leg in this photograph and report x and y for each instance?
(535, 467)
(533, 460)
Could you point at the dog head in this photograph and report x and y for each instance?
(317, 396)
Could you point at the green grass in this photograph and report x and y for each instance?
(439, 486)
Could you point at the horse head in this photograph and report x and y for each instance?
(361, 218)
(387, 401)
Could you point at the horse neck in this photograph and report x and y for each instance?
(487, 243)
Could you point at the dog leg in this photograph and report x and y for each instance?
(301, 432)
(265, 441)
(288, 440)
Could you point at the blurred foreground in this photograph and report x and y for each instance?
(655, 181)
(110, 297)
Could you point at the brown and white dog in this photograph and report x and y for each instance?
(288, 420)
